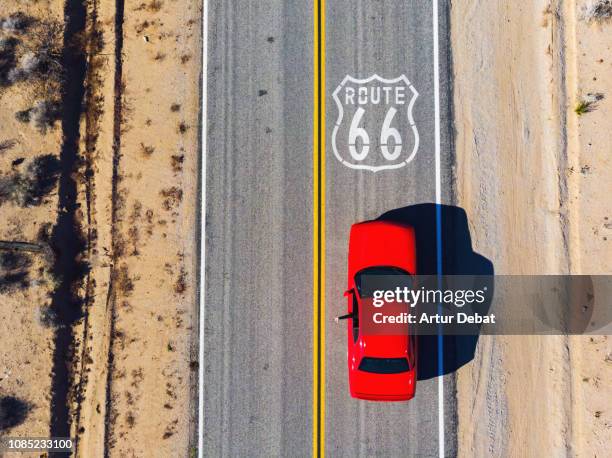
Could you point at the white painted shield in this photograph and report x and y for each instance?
(375, 129)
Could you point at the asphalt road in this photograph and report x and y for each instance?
(258, 376)
(258, 325)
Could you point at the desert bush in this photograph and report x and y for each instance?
(8, 59)
(125, 284)
(152, 7)
(6, 145)
(182, 127)
(13, 281)
(13, 412)
(16, 23)
(14, 271)
(171, 197)
(14, 260)
(40, 178)
(180, 286)
(137, 377)
(146, 150)
(32, 186)
(43, 114)
(130, 419)
(7, 186)
(177, 162)
(31, 53)
(588, 103)
(597, 11)
(47, 317)
(37, 53)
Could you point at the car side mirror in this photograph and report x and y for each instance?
(349, 292)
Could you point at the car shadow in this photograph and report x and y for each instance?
(458, 258)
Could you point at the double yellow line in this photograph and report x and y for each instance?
(318, 348)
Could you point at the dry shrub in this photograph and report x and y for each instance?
(43, 114)
(180, 286)
(14, 271)
(597, 11)
(31, 187)
(182, 127)
(31, 54)
(124, 283)
(6, 145)
(13, 412)
(588, 103)
(137, 377)
(177, 162)
(130, 419)
(146, 150)
(172, 197)
(154, 6)
(47, 317)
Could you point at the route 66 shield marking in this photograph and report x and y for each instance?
(375, 129)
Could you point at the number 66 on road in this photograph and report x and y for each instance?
(397, 97)
(387, 131)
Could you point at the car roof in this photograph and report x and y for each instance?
(375, 342)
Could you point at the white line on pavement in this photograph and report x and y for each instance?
(436, 50)
(203, 143)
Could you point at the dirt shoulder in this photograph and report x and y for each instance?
(533, 176)
(144, 196)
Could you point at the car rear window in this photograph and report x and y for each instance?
(384, 365)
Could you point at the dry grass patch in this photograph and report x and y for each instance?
(31, 54)
(588, 103)
(597, 11)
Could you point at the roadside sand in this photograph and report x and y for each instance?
(144, 316)
(26, 343)
(135, 349)
(590, 72)
(536, 198)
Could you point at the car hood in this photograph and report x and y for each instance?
(381, 243)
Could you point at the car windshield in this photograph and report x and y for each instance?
(384, 365)
(381, 278)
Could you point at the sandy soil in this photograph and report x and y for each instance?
(26, 337)
(133, 355)
(533, 177)
(146, 157)
(590, 72)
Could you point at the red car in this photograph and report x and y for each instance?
(381, 367)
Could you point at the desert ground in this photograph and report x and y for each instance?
(533, 93)
(98, 179)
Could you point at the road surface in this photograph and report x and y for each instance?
(258, 340)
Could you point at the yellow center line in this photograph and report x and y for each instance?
(318, 348)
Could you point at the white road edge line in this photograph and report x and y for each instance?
(203, 144)
(436, 49)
